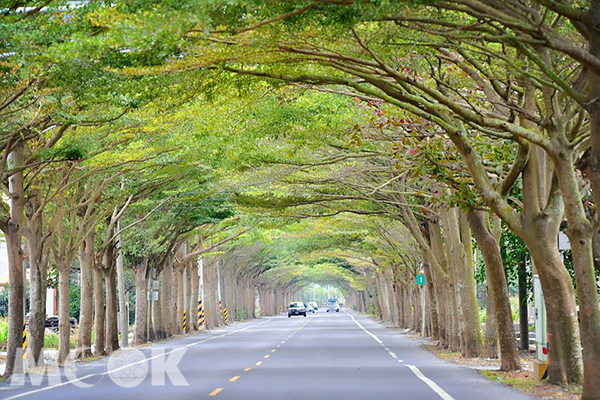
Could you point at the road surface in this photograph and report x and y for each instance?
(323, 356)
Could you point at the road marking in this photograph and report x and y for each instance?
(235, 378)
(267, 356)
(434, 386)
(387, 348)
(18, 396)
(273, 351)
(247, 369)
(283, 341)
(278, 346)
(363, 328)
(216, 392)
(258, 363)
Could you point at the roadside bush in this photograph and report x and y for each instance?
(51, 340)
(3, 333)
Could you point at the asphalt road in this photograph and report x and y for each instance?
(323, 356)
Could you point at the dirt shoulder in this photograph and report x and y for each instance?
(522, 380)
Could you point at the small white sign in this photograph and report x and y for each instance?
(563, 241)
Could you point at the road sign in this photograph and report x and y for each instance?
(420, 279)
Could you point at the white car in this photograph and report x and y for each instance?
(310, 307)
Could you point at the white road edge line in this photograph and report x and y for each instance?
(434, 386)
(18, 396)
(363, 328)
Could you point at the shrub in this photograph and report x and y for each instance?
(51, 340)
(3, 333)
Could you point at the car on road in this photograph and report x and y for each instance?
(315, 306)
(296, 308)
(333, 307)
(310, 307)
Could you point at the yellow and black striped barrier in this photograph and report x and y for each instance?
(200, 315)
(226, 315)
(24, 340)
(221, 309)
(184, 322)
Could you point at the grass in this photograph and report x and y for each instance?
(51, 340)
(90, 359)
(440, 353)
(523, 381)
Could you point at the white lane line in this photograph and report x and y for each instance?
(363, 328)
(18, 396)
(434, 386)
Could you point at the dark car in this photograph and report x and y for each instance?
(296, 308)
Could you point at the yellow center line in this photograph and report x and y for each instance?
(216, 391)
(247, 369)
(235, 378)
(267, 356)
(258, 363)
(273, 351)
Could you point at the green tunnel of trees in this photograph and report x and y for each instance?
(271, 146)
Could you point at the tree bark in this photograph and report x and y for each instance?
(141, 304)
(99, 313)
(112, 327)
(523, 317)
(581, 231)
(38, 279)
(64, 310)
(166, 312)
(13, 234)
(86, 262)
(490, 250)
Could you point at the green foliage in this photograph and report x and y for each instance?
(3, 333)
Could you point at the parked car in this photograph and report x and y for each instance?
(296, 308)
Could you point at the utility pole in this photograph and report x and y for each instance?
(123, 314)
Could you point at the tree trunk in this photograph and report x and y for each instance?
(99, 313)
(433, 303)
(141, 305)
(581, 231)
(13, 233)
(86, 262)
(112, 327)
(490, 342)
(38, 280)
(563, 334)
(523, 318)
(166, 312)
(64, 309)
(490, 250)
(195, 295)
